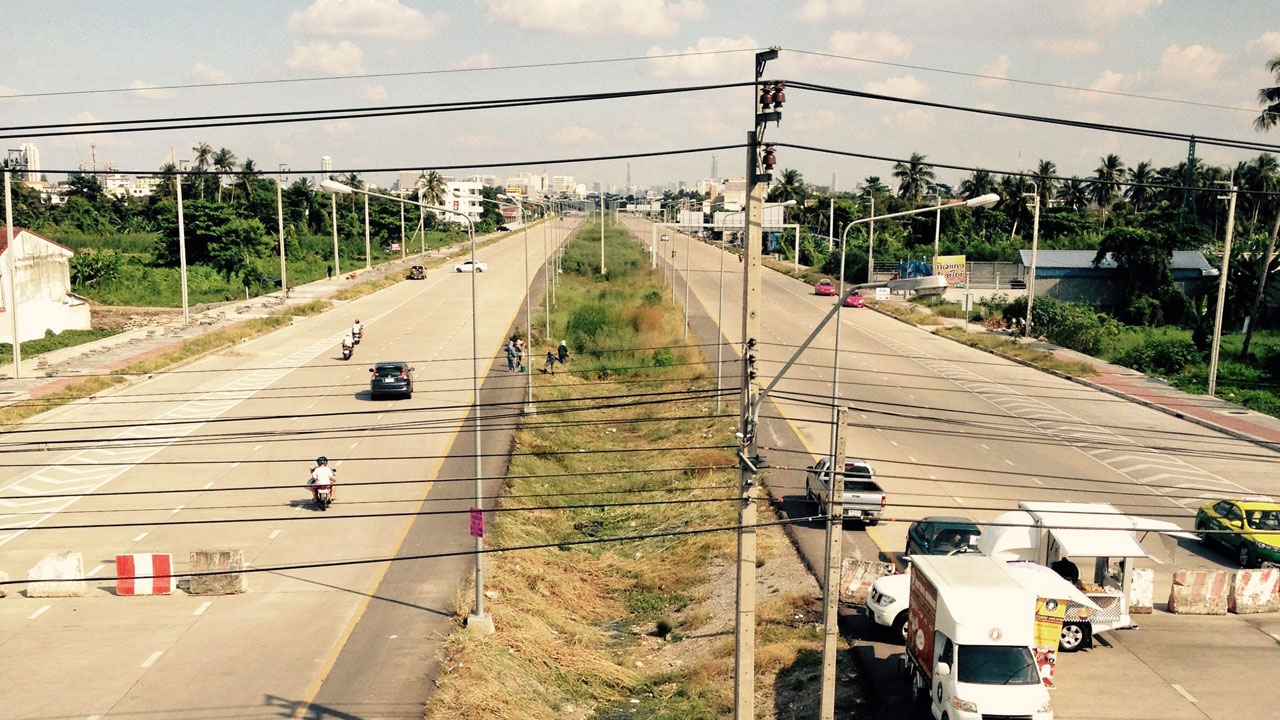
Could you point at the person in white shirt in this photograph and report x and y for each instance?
(322, 475)
(356, 328)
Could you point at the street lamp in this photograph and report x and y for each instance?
(182, 247)
(1035, 245)
(528, 321)
(284, 286)
(478, 619)
(1222, 289)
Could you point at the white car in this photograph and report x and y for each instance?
(469, 266)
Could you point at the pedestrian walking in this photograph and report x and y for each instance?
(510, 349)
(551, 363)
(519, 347)
(328, 269)
(562, 352)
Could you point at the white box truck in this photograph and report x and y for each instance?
(970, 634)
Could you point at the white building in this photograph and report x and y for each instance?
(464, 197)
(326, 167)
(31, 161)
(560, 184)
(43, 273)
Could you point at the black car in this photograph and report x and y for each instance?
(417, 272)
(391, 378)
(939, 535)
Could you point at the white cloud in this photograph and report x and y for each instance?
(202, 73)
(364, 18)
(148, 91)
(478, 141)
(906, 86)
(1107, 81)
(342, 58)
(710, 57)
(1067, 47)
(815, 11)
(911, 120)
(819, 121)
(1192, 65)
(1267, 44)
(575, 135)
(1109, 13)
(873, 45)
(6, 91)
(579, 17)
(472, 62)
(996, 71)
(375, 93)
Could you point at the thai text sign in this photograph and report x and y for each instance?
(952, 267)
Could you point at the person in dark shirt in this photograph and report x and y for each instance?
(1067, 569)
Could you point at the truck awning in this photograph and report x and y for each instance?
(1097, 543)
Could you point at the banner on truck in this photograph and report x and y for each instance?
(952, 267)
(1048, 631)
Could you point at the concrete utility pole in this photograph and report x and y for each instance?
(182, 251)
(13, 250)
(834, 558)
(1222, 292)
(1035, 247)
(602, 233)
(368, 254)
(284, 286)
(759, 162)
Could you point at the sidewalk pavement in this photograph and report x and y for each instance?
(52, 371)
(1209, 412)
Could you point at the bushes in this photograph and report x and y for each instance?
(1074, 326)
(1162, 357)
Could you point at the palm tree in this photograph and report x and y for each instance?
(204, 152)
(790, 187)
(1270, 97)
(1263, 174)
(432, 188)
(1141, 191)
(224, 161)
(977, 184)
(248, 172)
(1046, 179)
(1074, 194)
(1103, 189)
(913, 177)
(1012, 189)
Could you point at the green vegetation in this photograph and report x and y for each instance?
(577, 621)
(1009, 347)
(52, 341)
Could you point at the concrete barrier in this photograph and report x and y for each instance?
(226, 566)
(4, 589)
(1142, 591)
(60, 575)
(857, 577)
(1254, 591)
(144, 574)
(1199, 592)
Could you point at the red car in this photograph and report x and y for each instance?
(854, 300)
(824, 287)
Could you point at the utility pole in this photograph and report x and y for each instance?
(1222, 291)
(11, 271)
(284, 286)
(834, 560)
(759, 162)
(602, 232)
(1035, 246)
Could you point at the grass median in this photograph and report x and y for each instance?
(600, 623)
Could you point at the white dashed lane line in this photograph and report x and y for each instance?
(274, 534)
(39, 612)
(203, 606)
(1183, 693)
(95, 571)
(140, 536)
(177, 510)
(152, 659)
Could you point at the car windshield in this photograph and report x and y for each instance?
(996, 665)
(1264, 519)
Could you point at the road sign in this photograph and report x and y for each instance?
(882, 293)
(477, 522)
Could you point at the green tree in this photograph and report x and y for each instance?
(1046, 179)
(790, 187)
(1270, 98)
(979, 183)
(1105, 186)
(224, 161)
(1141, 191)
(914, 177)
(1074, 194)
(204, 156)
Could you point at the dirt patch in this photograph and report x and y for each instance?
(119, 318)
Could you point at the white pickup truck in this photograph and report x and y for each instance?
(863, 499)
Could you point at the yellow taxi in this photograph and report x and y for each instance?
(1248, 527)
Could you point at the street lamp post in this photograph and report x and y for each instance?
(479, 619)
(1035, 246)
(333, 207)
(182, 250)
(12, 280)
(284, 285)
(1222, 291)
(528, 321)
(602, 233)
(368, 252)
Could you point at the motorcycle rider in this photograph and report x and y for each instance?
(348, 344)
(322, 475)
(356, 328)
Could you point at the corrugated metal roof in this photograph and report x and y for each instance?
(1083, 259)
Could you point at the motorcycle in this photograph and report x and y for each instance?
(346, 352)
(355, 336)
(322, 495)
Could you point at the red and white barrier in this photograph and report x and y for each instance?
(144, 574)
(1254, 591)
(1199, 592)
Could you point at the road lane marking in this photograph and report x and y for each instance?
(235, 465)
(933, 477)
(152, 660)
(1008, 462)
(274, 534)
(893, 443)
(210, 483)
(1036, 481)
(203, 606)
(355, 443)
(176, 510)
(257, 447)
(39, 612)
(983, 446)
(1183, 693)
(140, 536)
(958, 499)
(95, 571)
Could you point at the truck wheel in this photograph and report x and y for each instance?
(1074, 636)
(872, 522)
(900, 627)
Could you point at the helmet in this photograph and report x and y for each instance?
(322, 460)
(357, 319)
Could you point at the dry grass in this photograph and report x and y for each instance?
(1010, 348)
(75, 391)
(359, 290)
(906, 313)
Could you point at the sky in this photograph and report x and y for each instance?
(1188, 66)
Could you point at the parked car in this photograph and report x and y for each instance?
(391, 378)
(503, 228)
(1250, 527)
(855, 300)
(942, 535)
(417, 272)
(863, 499)
(469, 266)
(824, 287)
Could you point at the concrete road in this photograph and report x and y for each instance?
(214, 456)
(953, 430)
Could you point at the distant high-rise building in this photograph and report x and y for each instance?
(715, 172)
(31, 161)
(326, 167)
(835, 179)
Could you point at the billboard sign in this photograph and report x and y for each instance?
(952, 267)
